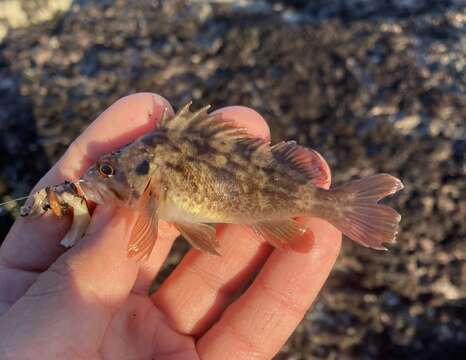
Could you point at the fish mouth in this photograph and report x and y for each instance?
(100, 193)
(90, 191)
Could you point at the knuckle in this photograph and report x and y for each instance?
(56, 280)
(244, 345)
(287, 301)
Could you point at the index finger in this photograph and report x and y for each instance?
(34, 244)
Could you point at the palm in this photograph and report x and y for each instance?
(92, 302)
(139, 330)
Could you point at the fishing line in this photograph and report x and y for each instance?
(20, 198)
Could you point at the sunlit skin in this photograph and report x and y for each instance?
(91, 301)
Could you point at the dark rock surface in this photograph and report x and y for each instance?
(373, 85)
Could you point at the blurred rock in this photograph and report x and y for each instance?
(21, 13)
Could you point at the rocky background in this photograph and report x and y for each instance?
(373, 85)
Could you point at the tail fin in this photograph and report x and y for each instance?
(360, 217)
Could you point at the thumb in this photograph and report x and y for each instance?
(73, 301)
(98, 267)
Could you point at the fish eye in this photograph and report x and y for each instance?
(106, 170)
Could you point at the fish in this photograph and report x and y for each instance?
(196, 170)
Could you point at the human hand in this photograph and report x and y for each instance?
(92, 302)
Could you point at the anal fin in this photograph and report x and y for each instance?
(285, 234)
(200, 236)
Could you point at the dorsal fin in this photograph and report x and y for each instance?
(212, 126)
(176, 120)
(248, 146)
(303, 160)
(200, 121)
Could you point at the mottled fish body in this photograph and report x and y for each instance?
(196, 170)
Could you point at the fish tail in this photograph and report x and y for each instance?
(353, 209)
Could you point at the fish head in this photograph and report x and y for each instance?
(113, 180)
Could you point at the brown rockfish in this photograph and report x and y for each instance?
(196, 170)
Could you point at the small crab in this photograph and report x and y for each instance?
(63, 199)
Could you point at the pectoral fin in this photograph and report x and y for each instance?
(144, 232)
(285, 234)
(200, 236)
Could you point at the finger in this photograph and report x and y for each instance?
(202, 285)
(262, 319)
(89, 282)
(248, 118)
(13, 284)
(34, 244)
